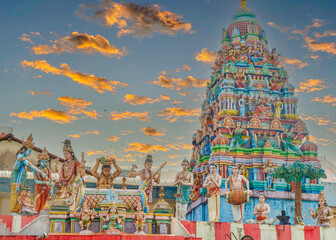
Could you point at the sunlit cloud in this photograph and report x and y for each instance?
(40, 93)
(314, 57)
(77, 106)
(293, 61)
(149, 131)
(176, 102)
(172, 164)
(205, 56)
(126, 132)
(333, 130)
(311, 85)
(26, 38)
(144, 148)
(50, 114)
(180, 146)
(141, 116)
(99, 84)
(174, 156)
(184, 67)
(81, 42)
(317, 23)
(172, 114)
(321, 121)
(321, 141)
(140, 100)
(329, 33)
(136, 20)
(282, 29)
(326, 99)
(78, 135)
(109, 152)
(113, 139)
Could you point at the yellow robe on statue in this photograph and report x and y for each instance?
(214, 205)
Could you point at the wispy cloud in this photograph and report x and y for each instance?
(311, 85)
(126, 132)
(141, 116)
(329, 33)
(293, 61)
(319, 120)
(174, 156)
(113, 139)
(26, 37)
(50, 114)
(78, 135)
(149, 131)
(326, 99)
(282, 29)
(180, 146)
(321, 141)
(136, 20)
(40, 93)
(109, 152)
(206, 57)
(140, 100)
(144, 148)
(77, 106)
(184, 67)
(99, 84)
(172, 114)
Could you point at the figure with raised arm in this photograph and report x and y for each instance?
(213, 182)
(260, 211)
(26, 204)
(114, 221)
(287, 140)
(85, 216)
(184, 180)
(323, 213)
(139, 220)
(237, 139)
(105, 178)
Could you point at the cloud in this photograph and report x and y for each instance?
(314, 57)
(26, 38)
(333, 130)
(40, 93)
(136, 20)
(77, 106)
(282, 29)
(149, 131)
(180, 146)
(326, 99)
(99, 84)
(321, 121)
(126, 132)
(293, 61)
(321, 141)
(317, 23)
(176, 102)
(141, 116)
(99, 152)
(144, 148)
(81, 42)
(174, 156)
(174, 113)
(139, 100)
(311, 85)
(50, 114)
(113, 139)
(184, 67)
(329, 33)
(205, 56)
(177, 84)
(78, 135)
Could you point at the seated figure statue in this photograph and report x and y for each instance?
(261, 210)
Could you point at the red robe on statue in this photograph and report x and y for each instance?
(42, 190)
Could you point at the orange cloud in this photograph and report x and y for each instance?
(173, 114)
(321, 141)
(326, 99)
(26, 38)
(184, 67)
(293, 61)
(139, 100)
(177, 84)
(329, 33)
(144, 148)
(312, 85)
(149, 131)
(180, 146)
(40, 93)
(205, 56)
(99, 152)
(78, 135)
(333, 130)
(314, 57)
(176, 102)
(81, 42)
(77, 105)
(282, 29)
(126, 132)
(99, 84)
(113, 139)
(51, 114)
(174, 156)
(137, 20)
(319, 120)
(141, 116)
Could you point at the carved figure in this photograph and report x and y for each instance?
(105, 178)
(25, 203)
(323, 213)
(262, 110)
(237, 139)
(85, 217)
(113, 219)
(269, 171)
(261, 210)
(139, 220)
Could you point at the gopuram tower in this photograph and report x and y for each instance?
(250, 118)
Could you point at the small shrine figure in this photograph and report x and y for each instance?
(85, 217)
(261, 210)
(283, 218)
(184, 180)
(237, 196)
(273, 57)
(114, 221)
(239, 76)
(278, 106)
(139, 220)
(269, 171)
(262, 110)
(242, 105)
(25, 203)
(213, 182)
(287, 140)
(243, 171)
(237, 139)
(43, 185)
(323, 213)
(105, 178)
(69, 199)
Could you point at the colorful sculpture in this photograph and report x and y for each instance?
(262, 110)
(85, 217)
(43, 185)
(323, 213)
(237, 140)
(213, 182)
(288, 138)
(184, 180)
(139, 220)
(269, 171)
(278, 105)
(25, 203)
(114, 221)
(261, 210)
(105, 178)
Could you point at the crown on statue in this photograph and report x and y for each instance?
(43, 155)
(29, 143)
(321, 196)
(67, 146)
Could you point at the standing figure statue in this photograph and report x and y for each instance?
(105, 178)
(114, 221)
(269, 171)
(43, 186)
(85, 217)
(261, 210)
(323, 213)
(278, 106)
(242, 105)
(19, 173)
(213, 182)
(287, 139)
(237, 196)
(139, 220)
(184, 180)
(25, 203)
(237, 139)
(262, 110)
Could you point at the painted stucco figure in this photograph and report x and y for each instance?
(237, 140)
(139, 220)
(105, 178)
(261, 211)
(323, 213)
(113, 221)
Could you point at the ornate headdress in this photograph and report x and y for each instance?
(149, 159)
(29, 143)
(67, 146)
(321, 196)
(43, 155)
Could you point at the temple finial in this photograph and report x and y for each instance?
(243, 3)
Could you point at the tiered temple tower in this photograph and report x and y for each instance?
(249, 117)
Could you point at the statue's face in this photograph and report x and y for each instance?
(234, 170)
(212, 169)
(67, 155)
(262, 199)
(148, 165)
(113, 209)
(185, 166)
(321, 202)
(106, 172)
(23, 192)
(43, 163)
(28, 151)
(139, 208)
(238, 124)
(28, 193)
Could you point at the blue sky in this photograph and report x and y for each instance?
(289, 26)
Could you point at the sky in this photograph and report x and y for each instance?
(127, 79)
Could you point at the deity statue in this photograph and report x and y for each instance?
(139, 220)
(230, 54)
(242, 105)
(243, 171)
(184, 180)
(323, 213)
(269, 170)
(213, 182)
(253, 54)
(237, 196)
(85, 216)
(25, 203)
(273, 57)
(262, 110)
(43, 185)
(261, 210)
(114, 221)
(238, 78)
(278, 106)
(237, 139)
(105, 178)
(287, 139)
(19, 173)
(275, 84)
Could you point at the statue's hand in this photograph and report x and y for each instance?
(43, 175)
